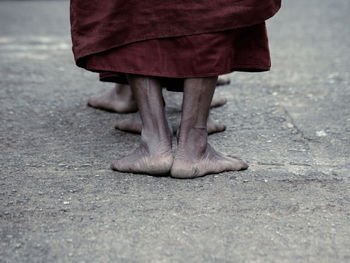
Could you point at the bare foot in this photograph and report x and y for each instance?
(134, 125)
(144, 161)
(218, 102)
(119, 99)
(209, 162)
(154, 155)
(223, 81)
(214, 126)
(194, 156)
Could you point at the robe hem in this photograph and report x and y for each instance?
(240, 67)
(81, 53)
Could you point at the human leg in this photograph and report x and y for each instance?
(195, 157)
(134, 125)
(154, 155)
(120, 99)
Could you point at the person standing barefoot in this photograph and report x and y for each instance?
(194, 156)
(150, 43)
(154, 155)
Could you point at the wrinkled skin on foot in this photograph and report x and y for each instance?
(194, 156)
(145, 162)
(119, 99)
(209, 162)
(134, 125)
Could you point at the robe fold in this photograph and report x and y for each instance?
(97, 25)
(171, 38)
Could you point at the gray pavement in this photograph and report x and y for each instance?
(60, 202)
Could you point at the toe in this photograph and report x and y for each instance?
(244, 165)
(91, 103)
(217, 102)
(120, 126)
(114, 166)
(221, 127)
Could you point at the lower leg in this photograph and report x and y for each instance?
(120, 99)
(134, 125)
(195, 157)
(154, 154)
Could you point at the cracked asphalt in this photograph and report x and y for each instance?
(60, 202)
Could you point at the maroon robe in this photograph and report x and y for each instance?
(98, 26)
(203, 55)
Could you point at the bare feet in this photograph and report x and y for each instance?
(134, 125)
(214, 126)
(218, 102)
(119, 99)
(154, 155)
(208, 162)
(194, 156)
(146, 161)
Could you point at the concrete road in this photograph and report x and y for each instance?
(60, 202)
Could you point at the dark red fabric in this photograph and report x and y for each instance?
(98, 25)
(211, 54)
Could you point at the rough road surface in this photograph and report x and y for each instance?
(60, 202)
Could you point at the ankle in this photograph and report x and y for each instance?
(155, 143)
(124, 91)
(193, 142)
